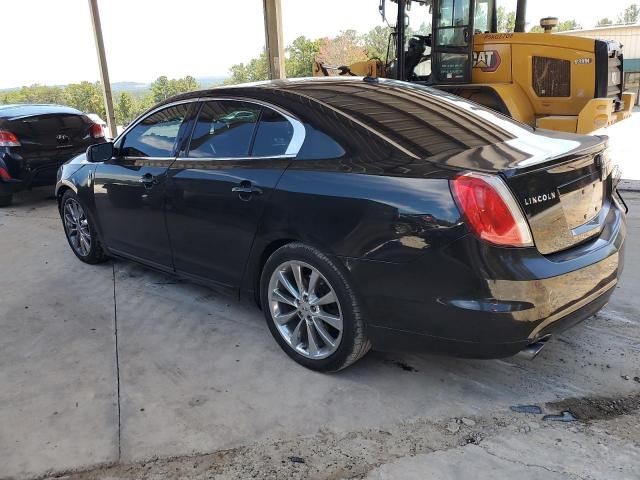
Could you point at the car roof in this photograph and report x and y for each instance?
(423, 120)
(30, 109)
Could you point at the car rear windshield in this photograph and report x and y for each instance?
(425, 121)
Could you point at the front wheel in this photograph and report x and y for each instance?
(311, 309)
(80, 230)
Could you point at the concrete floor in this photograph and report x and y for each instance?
(197, 372)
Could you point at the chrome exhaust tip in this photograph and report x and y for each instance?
(532, 350)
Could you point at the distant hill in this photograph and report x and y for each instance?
(209, 81)
(128, 86)
(140, 87)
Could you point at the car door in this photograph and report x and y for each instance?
(130, 189)
(219, 187)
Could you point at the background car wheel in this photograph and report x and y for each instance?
(80, 230)
(5, 200)
(311, 309)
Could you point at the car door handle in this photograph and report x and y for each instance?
(148, 180)
(246, 190)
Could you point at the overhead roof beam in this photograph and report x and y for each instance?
(273, 38)
(104, 72)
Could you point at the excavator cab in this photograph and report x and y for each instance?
(450, 59)
(452, 41)
(557, 82)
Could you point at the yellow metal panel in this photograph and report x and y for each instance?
(597, 113)
(491, 63)
(536, 39)
(561, 123)
(515, 100)
(582, 78)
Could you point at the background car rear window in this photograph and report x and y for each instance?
(273, 136)
(224, 129)
(155, 136)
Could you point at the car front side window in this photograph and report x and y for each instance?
(155, 136)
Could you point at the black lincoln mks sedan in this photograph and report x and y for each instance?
(35, 140)
(359, 214)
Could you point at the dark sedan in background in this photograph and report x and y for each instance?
(35, 140)
(359, 213)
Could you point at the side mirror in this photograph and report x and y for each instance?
(100, 152)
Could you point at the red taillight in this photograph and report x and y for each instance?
(4, 175)
(490, 210)
(96, 131)
(8, 139)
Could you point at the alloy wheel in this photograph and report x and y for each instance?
(305, 309)
(77, 227)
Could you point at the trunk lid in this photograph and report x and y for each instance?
(562, 182)
(51, 134)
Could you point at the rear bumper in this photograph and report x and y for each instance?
(472, 299)
(31, 171)
(389, 339)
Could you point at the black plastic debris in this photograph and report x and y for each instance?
(296, 459)
(565, 416)
(526, 409)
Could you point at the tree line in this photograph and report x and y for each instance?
(87, 96)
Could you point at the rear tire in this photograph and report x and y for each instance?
(80, 230)
(5, 200)
(311, 309)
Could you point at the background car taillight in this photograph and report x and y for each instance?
(491, 210)
(96, 131)
(4, 175)
(8, 139)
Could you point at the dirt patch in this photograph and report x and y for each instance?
(597, 408)
(402, 365)
(331, 455)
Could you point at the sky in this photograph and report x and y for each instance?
(51, 41)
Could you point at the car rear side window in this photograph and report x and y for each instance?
(224, 129)
(156, 135)
(273, 136)
(319, 146)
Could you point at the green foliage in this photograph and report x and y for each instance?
(33, 94)
(164, 87)
(344, 49)
(506, 20)
(536, 29)
(125, 108)
(376, 42)
(257, 69)
(568, 25)
(300, 56)
(86, 97)
(604, 21)
(630, 14)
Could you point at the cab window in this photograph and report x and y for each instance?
(155, 136)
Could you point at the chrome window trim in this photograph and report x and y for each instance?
(273, 157)
(295, 144)
(155, 159)
(299, 132)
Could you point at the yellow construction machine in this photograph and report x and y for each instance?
(557, 82)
